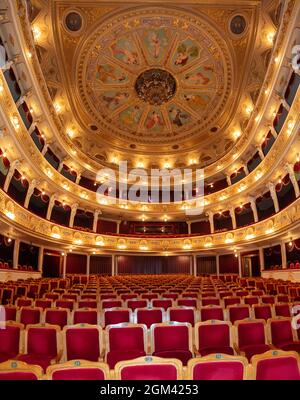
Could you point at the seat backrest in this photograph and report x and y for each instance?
(213, 334)
(183, 314)
(282, 310)
(116, 316)
(10, 313)
(58, 317)
(250, 300)
(10, 339)
(262, 311)
(162, 303)
(133, 304)
(207, 301)
(149, 368)
(187, 302)
(43, 303)
(42, 340)
(171, 336)
(82, 342)
(231, 300)
(78, 370)
(83, 316)
(19, 371)
(126, 337)
(217, 367)
(111, 304)
(148, 316)
(30, 315)
(280, 331)
(276, 365)
(252, 332)
(238, 312)
(211, 312)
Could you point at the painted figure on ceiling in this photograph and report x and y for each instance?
(178, 117)
(130, 57)
(184, 53)
(154, 121)
(115, 100)
(107, 73)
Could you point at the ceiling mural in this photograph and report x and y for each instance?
(152, 83)
(154, 77)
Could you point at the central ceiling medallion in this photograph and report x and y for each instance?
(155, 86)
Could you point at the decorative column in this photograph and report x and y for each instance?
(61, 164)
(15, 164)
(88, 262)
(113, 265)
(189, 223)
(33, 184)
(274, 196)
(95, 223)
(195, 264)
(50, 206)
(233, 218)
(118, 226)
(64, 265)
(16, 254)
(45, 149)
(211, 221)
(73, 213)
(78, 177)
(260, 152)
(228, 180)
(290, 170)
(240, 264)
(261, 259)
(283, 255)
(254, 208)
(274, 133)
(246, 169)
(218, 264)
(41, 259)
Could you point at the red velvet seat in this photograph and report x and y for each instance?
(207, 301)
(238, 312)
(282, 310)
(268, 299)
(211, 312)
(85, 316)
(213, 337)
(78, 370)
(282, 335)
(30, 315)
(43, 303)
(231, 300)
(134, 304)
(183, 314)
(65, 304)
(125, 342)
(129, 296)
(51, 296)
(87, 304)
(149, 296)
(41, 346)
(172, 296)
(58, 317)
(148, 316)
(83, 342)
(19, 371)
(162, 303)
(283, 298)
(187, 302)
(105, 304)
(251, 300)
(10, 342)
(116, 316)
(217, 367)
(251, 337)
(149, 368)
(263, 311)
(172, 340)
(24, 302)
(276, 365)
(10, 313)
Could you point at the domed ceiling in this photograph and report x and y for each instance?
(153, 82)
(154, 79)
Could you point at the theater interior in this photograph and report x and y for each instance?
(193, 274)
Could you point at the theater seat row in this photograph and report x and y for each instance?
(46, 344)
(272, 365)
